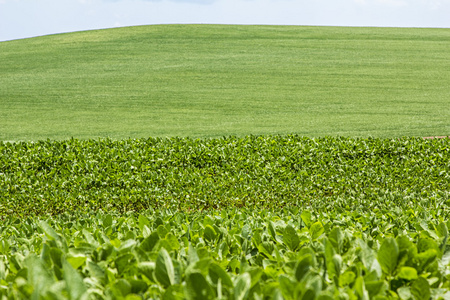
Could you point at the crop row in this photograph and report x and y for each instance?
(51, 177)
(227, 254)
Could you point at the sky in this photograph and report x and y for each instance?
(29, 18)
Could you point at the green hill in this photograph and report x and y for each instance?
(215, 80)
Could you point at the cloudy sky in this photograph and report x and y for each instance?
(28, 18)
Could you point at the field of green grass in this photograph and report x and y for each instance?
(221, 80)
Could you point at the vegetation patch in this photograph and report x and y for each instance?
(257, 217)
(51, 177)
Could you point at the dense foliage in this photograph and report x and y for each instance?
(275, 217)
(228, 254)
(50, 177)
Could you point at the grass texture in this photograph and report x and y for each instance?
(221, 80)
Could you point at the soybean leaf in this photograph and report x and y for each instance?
(164, 270)
(242, 286)
(407, 273)
(316, 230)
(197, 288)
(290, 238)
(74, 281)
(420, 289)
(388, 255)
(216, 273)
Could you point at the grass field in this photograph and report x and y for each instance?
(217, 80)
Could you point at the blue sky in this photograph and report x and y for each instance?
(28, 18)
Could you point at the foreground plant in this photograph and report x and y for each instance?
(227, 254)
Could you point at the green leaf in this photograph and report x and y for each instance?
(347, 278)
(420, 289)
(360, 289)
(147, 268)
(38, 275)
(50, 233)
(149, 242)
(287, 286)
(174, 292)
(404, 293)
(143, 221)
(164, 270)
(335, 237)
(310, 294)
(216, 273)
(303, 267)
(242, 286)
(306, 218)
(192, 254)
(107, 221)
(76, 261)
(407, 273)
(290, 238)
(172, 241)
(74, 281)
(442, 230)
(388, 255)
(197, 288)
(316, 230)
(209, 233)
(266, 248)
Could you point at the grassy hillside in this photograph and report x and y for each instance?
(215, 80)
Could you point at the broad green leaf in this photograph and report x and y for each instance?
(368, 258)
(74, 281)
(174, 292)
(107, 221)
(360, 289)
(388, 255)
(442, 230)
(147, 268)
(198, 288)
(420, 289)
(336, 239)
(164, 270)
(316, 230)
(76, 261)
(404, 293)
(376, 287)
(143, 221)
(192, 254)
(121, 288)
(216, 273)
(303, 267)
(287, 286)
(242, 286)
(149, 242)
(347, 278)
(306, 218)
(407, 273)
(209, 233)
(172, 241)
(50, 233)
(89, 238)
(246, 232)
(266, 248)
(310, 294)
(38, 275)
(290, 238)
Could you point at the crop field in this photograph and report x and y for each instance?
(222, 80)
(256, 217)
(226, 162)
